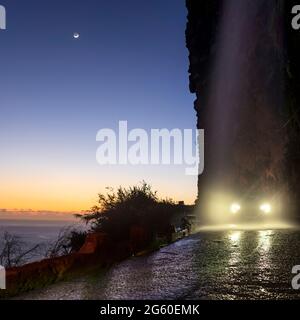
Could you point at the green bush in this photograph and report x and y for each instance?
(68, 240)
(117, 211)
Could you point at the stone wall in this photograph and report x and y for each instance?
(97, 252)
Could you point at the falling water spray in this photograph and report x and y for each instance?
(243, 118)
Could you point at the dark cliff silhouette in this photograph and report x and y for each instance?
(245, 72)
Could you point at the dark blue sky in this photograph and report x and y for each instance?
(130, 63)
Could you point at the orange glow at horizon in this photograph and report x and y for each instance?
(75, 193)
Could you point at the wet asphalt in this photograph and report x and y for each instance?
(228, 264)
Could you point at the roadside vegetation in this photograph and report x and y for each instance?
(133, 215)
(117, 212)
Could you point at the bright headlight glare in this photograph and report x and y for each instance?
(266, 208)
(235, 208)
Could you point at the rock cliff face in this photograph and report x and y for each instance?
(292, 107)
(245, 75)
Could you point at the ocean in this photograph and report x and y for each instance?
(33, 232)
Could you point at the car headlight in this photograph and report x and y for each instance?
(266, 208)
(235, 208)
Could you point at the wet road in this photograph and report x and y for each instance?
(207, 265)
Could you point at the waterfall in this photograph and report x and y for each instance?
(243, 120)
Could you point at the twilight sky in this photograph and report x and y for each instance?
(130, 63)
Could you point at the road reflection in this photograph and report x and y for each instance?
(225, 264)
(265, 240)
(234, 237)
(265, 244)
